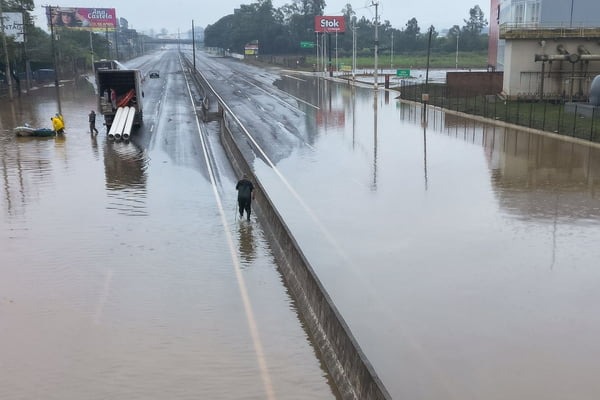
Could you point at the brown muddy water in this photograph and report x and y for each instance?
(116, 278)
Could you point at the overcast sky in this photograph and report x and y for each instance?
(175, 15)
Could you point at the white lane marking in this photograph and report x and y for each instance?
(295, 77)
(282, 101)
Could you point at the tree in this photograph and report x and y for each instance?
(476, 22)
(409, 36)
(471, 38)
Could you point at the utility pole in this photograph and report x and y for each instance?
(194, 46)
(571, 20)
(457, 36)
(116, 36)
(26, 58)
(392, 53)
(92, 53)
(6, 60)
(49, 11)
(376, 4)
(353, 48)
(336, 52)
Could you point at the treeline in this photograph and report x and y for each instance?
(280, 31)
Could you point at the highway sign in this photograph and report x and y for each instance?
(307, 45)
(403, 73)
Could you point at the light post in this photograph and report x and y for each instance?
(337, 65)
(353, 48)
(571, 20)
(457, 36)
(376, 4)
(392, 53)
(7, 73)
(194, 46)
(50, 13)
(92, 53)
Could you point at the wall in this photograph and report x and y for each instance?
(471, 83)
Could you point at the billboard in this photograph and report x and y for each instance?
(325, 24)
(251, 49)
(13, 26)
(78, 18)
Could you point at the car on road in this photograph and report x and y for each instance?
(154, 74)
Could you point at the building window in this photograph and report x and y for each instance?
(532, 12)
(523, 12)
(519, 13)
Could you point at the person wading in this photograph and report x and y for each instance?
(245, 190)
(92, 119)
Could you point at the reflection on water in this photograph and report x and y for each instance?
(95, 304)
(477, 247)
(539, 177)
(26, 168)
(374, 182)
(246, 242)
(125, 168)
(530, 172)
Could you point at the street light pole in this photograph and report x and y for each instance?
(376, 4)
(7, 72)
(194, 46)
(92, 53)
(392, 53)
(353, 49)
(49, 11)
(571, 20)
(457, 36)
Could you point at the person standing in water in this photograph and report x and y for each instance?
(245, 190)
(92, 120)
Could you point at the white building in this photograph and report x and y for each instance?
(548, 48)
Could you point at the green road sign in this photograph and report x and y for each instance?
(307, 45)
(403, 73)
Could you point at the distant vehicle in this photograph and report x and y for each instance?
(154, 74)
(108, 64)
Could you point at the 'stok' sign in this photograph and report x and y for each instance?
(325, 24)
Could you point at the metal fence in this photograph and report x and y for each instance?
(579, 120)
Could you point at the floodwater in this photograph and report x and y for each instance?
(464, 257)
(124, 272)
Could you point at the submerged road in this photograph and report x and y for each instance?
(463, 256)
(124, 271)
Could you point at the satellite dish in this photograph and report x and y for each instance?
(595, 91)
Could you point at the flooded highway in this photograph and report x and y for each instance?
(463, 256)
(124, 272)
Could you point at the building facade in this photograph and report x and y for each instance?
(548, 48)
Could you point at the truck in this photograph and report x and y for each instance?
(108, 64)
(127, 87)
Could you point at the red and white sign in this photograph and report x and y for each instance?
(325, 24)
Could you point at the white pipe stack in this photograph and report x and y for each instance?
(121, 123)
(128, 123)
(115, 123)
